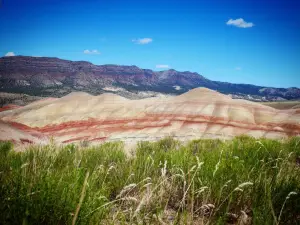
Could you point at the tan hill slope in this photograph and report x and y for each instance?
(199, 113)
(284, 104)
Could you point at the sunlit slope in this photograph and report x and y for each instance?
(284, 104)
(198, 113)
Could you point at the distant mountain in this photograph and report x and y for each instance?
(45, 76)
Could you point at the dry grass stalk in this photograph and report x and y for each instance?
(81, 198)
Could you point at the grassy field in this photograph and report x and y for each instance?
(242, 181)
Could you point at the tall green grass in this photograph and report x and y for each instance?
(242, 181)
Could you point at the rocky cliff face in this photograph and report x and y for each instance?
(44, 76)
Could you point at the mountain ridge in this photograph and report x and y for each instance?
(54, 77)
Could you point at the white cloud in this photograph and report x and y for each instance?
(238, 68)
(10, 54)
(162, 66)
(91, 52)
(241, 23)
(142, 41)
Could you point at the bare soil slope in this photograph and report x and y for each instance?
(199, 113)
(284, 104)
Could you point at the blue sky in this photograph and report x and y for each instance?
(251, 41)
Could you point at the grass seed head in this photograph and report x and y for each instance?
(126, 189)
(245, 184)
(290, 194)
(238, 189)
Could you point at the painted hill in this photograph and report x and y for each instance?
(199, 113)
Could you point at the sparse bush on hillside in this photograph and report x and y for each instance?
(242, 181)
